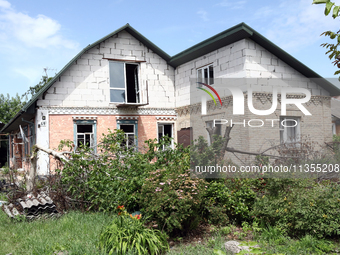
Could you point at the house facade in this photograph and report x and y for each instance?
(124, 81)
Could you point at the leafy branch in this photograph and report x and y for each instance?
(332, 48)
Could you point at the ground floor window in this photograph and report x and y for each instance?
(130, 128)
(85, 133)
(165, 129)
(289, 130)
(129, 131)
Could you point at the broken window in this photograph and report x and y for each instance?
(289, 130)
(206, 74)
(124, 86)
(165, 129)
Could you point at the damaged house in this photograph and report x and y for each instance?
(124, 81)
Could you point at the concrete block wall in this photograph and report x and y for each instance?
(260, 63)
(227, 61)
(316, 128)
(86, 83)
(242, 59)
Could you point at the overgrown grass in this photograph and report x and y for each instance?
(74, 232)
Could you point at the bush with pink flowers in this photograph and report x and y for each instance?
(173, 199)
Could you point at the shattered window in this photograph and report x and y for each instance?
(124, 85)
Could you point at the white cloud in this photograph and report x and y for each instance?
(27, 45)
(4, 4)
(302, 21)
(203, 15)
(40, 31)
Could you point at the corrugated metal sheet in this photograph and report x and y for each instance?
(32, 207)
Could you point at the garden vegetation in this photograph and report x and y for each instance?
(153, 196)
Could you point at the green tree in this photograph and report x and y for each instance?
(35, 89)
(9, 106)
(332, 48)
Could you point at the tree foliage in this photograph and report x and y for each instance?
(35, 89)
(9, 106)
(332, 48)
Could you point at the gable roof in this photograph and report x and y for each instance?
(127, 28)
(231, 35)
(30, 104)
(243, 31)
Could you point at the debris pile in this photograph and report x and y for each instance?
(32, 207)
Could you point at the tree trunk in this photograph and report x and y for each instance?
(30, 183)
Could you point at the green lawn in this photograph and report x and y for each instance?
(75, 232)
(78, 233)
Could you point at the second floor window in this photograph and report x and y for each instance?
(206, 74)
(124, 86)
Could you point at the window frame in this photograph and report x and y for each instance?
(94, 132)
(125, 88)
(207, 80)
(135, 124)
(284, 139)
(172, 124)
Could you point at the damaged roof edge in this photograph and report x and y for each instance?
(126, 27)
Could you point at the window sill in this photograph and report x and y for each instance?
(128, 104)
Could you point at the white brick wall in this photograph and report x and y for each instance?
(242, 59)
(86, 82)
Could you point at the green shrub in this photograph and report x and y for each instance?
(203, 154)
(236, 196)
(301, 208)
(173, 199)
(116, 175)
(128, 235)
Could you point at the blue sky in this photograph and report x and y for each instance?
(38, 34)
